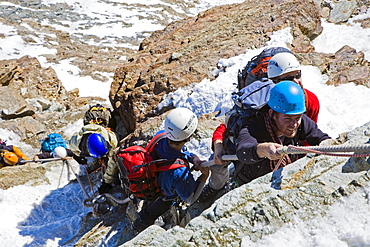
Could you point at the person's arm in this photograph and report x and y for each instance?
(201, 182)
(218, 151)
(183, 182)
(112, 170)
(246, 150)
(81, 160)
(219, 134)
(249, 151)
(204, 170)
(313, 105)
(217, 144)
(44, 155)
(268, 150)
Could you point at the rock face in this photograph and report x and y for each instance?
(346, 65)
(185, 51)
(19, 175)
(34, 102)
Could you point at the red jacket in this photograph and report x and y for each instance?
(312, 111)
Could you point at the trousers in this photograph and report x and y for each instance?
(150, 213)
(219, 176)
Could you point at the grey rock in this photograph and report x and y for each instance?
(39, 104)
(342, 10)
(14, 105)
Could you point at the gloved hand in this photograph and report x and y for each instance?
(104, 188)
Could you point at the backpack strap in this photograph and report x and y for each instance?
(150, 146)
(147, 164)
(171, 164)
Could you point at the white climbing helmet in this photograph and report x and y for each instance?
(282, 63)
(59, 152)
(180, 124)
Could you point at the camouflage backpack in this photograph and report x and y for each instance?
(97, 114)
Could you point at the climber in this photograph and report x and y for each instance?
(179, 182)
(10, 155)
(79, 145)
(283, 123)
(281, 67)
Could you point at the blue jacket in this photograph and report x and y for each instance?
(175, 182)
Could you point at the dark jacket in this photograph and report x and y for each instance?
(255, 132)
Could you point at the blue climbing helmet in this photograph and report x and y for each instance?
(97, 145)
(287, 97)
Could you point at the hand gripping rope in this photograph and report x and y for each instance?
(331, 150)
(328, 150)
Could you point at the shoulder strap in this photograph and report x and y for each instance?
(171, 164)
(150, 146)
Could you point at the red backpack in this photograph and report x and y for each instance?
(138, 169)
(256, 68)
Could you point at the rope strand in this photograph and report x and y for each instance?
(308, 150)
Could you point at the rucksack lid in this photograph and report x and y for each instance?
(255, 95)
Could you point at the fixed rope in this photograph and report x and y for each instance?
(361, 150)
(89, 180)
(69, 166)
(328, 150)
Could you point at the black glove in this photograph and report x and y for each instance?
(104, 188)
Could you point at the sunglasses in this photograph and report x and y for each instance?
(290, 78)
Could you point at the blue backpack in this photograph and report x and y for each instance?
(247, 103)
(52, 141)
